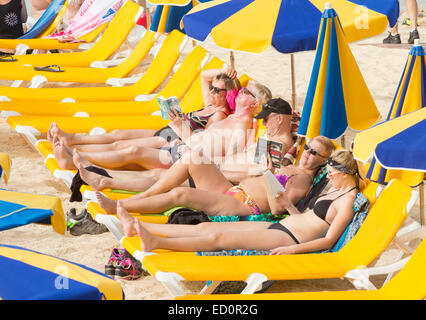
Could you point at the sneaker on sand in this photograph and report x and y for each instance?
(117, 255)
(394, 39)
(413, 36)
(128, 269)
(87, 225)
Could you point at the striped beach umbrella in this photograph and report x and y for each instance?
(337, 95)
(410, 96)
(287, 25)
(31, 275)
(397, 144)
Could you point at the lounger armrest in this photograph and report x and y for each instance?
(360, 276)
(145, 97)
(37, 81)
(119, 82)
(85, 46)
(106, 63)
(21, 49)
(254, 283)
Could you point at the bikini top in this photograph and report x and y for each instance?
(199, 122)
(321, 207)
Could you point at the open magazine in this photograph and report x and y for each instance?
(270, 147)
(169, 104)
(273, 186)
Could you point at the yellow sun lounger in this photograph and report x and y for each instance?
(153, 77)
(31, 125)
(90, 75)
(22, 45)
(57, 219)
(157, 72)
(376, 233)
(114, 35)
(5, 165)
(408, 284)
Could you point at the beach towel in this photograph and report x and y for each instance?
(91, 15)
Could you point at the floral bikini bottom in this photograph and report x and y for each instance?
(241, 195)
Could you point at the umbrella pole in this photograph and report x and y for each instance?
(293, 82)
(232, 59)
(422, 204)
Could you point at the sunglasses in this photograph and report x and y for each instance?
(330, 174)
(312, 151)
(247, 91)
(216, 89)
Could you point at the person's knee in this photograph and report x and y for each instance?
(117, 134)
(179, 196)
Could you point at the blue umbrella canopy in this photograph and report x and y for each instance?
(405, 150)
(288, 25)
(30, 275)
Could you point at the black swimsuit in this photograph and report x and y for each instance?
(10, 20)
(320, 210)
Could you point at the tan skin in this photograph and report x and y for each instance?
(211, 185)
(312, 232)
(138, 149)
(241, 168)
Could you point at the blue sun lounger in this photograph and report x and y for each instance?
(38, 276)
(18, 209)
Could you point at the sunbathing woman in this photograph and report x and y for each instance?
(215, 195)
(318, 228)
(143, 146)
(277, 120)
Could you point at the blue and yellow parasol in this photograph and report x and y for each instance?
(410, 96)
(337, 95)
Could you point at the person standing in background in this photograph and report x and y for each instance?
(37, 9)
(13, 13)
(394, 36)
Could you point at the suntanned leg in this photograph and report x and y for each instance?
(261, 239)
(206, 177)
(149, 142)
(182, 230)
(213, 203)
(147, 158)
(62, 154)
(110, 137)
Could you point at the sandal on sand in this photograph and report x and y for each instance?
(7, 58)
(50, 68)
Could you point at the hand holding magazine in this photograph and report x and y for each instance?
(273, 186)
(270, 147)
(170, 104)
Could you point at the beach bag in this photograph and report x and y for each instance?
(91, 15)
(187, 216)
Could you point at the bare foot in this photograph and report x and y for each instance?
(78, 159)
(54, 130)
(127, 220)
(109, 205)
(96, 181)
(148, 240)
(62, 155)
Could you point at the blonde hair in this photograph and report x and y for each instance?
(346, 159)
(327, 143)
(262, 93)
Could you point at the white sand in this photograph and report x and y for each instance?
(381, 68)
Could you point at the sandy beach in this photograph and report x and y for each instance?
(381, 67)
